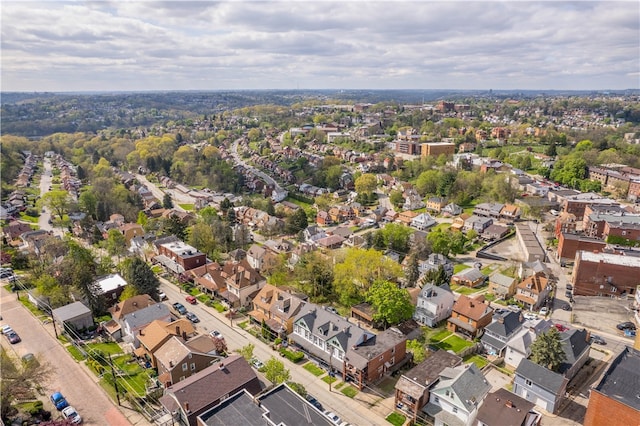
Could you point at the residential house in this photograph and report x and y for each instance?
(375, 358)
(470, 277)
(242, 282)
(451, 209)
(15, 229)
(75, 316)
(313, 233)
(576, 346)
(412, 200)
(502, 329)
(154, 335)
(510, 212)
(277, 307)
(330, 242)
(615, 396)
(457, 395)
(539, 385)
(519, 346)
(132, 323)
(434, 261)
(184, 256)
(412, 389)
(477, 223)
(469, 315)
(110, 287)
(458, 222)
(492, 210)
(406, 217)
(261, 258)
(364, 313)
(434, 305)
(176, 359)
(200, 392)
(423, 221)
(323, 218)
(495, 232)
(209, 278)
(131, 230)
(436, 204)
(506, 408)
(130, 305)
(281, 406)
(533, 291)
(502, 286)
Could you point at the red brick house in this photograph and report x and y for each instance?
(605, 274)
(469, 315)
(570, 244)
(184, 255)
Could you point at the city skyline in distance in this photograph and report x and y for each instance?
(202, 45)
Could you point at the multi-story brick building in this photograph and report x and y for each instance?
(570, 244)
(605, 274)
(184, 255)
(577, 204)
(434, 149)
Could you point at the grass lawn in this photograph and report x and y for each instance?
(349, 391)
(478, 360)
(30, 219)
(34, 310)
(454, 343)
(243, 325)
(203, 298)
(339, 385)
(75, 353)
(396, 419)
(439, 336)
(218, 307)
(108, 348)
(487, 270)
(466, 290)
(187, 207)
(313, 369)
(441, 227)
(460, 267)
(157, 269)
(328, 379)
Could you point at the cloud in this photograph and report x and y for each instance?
(143, 45)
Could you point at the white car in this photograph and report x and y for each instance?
(216, 334)
(544, 311)
(6, 329)
(72, 415)
(333, 417)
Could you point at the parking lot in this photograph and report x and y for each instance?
(602, 313)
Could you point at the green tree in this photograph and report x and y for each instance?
(167, 201)
(142, 219)
(78, 269)
(298, 388)
(58, 202)
(547, 350)
(247, 351)
(275, 371)
(413, 271)
(396, 198)
(436, 277)
(48, 286)
(20, 382)
(88, 202)
(396, 237)
(416, 347)
(297, 222)
(203, 238)
(315, 275)
(172, 225)
(390, 303)
(366, 183)
(440, 242)
(128, 292)
(116, 243)
(140, 275)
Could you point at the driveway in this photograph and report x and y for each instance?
(70, 378)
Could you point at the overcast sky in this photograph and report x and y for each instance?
(203, 45)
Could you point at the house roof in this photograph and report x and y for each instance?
(501, 280)
(470, 274)
(620, 381)
(71, 311)
(574, 343)
(146, 315)
(359, 356)
(172, 353)
(415, 381)
(534, 283)
(504, 408)
(472, 308)
(541, 376)
(111, 282)
(157, 332)
(237, 410)
(467, 383)
(279, 301)
(130, 305)
(506, 324)
(210, 384)
(436, 294)
(202, 343)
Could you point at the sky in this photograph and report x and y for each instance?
(203, 45)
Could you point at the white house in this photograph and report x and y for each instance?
(423, 221)
(434, 305)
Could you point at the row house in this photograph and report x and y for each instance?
(469, 315)
(492, 210)
(208, 279)
(181, 255)
(242, 283)
(257, 219)
(277, 307)
(566, 223)
(577, 204)
(519, 345)
(595, 217)
(570, 244)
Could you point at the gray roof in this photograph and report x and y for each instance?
(506, 324)
(622, 379)
(286, 407)
(501, 280)
(427, 372)
(504, 408)
(359, 356)
(541, 376)
(467, 382)
(471, 274)
(71, 311)
(574, 343)
(436, 294)
(146, 315)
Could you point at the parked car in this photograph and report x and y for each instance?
(566, 307)
(597, 340)
(313, 401)
(561, 327)
(192, 317)
(333, 417)
(180, 308)
(191, 299)
(332, 309)
(29, 359)
(569, 287)
(257, 363)
(544, 311)
(72, 415)
(13, 337)
(59, 401)
(628, 325)
(162, 296)
(216, 334)
(6, 329)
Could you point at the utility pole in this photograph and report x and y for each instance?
(115, 379)
(330, 369)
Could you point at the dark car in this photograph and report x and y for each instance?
(13, 337)
(59, 401)
(314, 402)
(180, 308)
(569, 287)
(598, 340)
(192, 317)
(566, 307)
(628, 325)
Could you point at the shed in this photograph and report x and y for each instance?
(75, 315)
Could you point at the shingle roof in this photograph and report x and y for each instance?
(506, 324)
(423, 375)
(71, 311)
(504, 408)
(359, 356)
(541, 376)
(467, 382)
(146, 315)
(574, 343)
(621, 381)
(471, 308)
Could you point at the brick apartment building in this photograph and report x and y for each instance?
(605, 274)
(570, 244)
(434, 149)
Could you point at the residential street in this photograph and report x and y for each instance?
(75, 382)
(356, 413)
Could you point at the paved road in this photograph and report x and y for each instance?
(348, 409)
(177, 196)
(68, 377)
(268, 179)
(45, 215)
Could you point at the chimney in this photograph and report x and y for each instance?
(171, 364)
(186, 407)
(178, 330)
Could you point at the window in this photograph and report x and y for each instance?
(436, 399)
(193, 366)
(184, 366)
(528, 382)
(455, 409)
